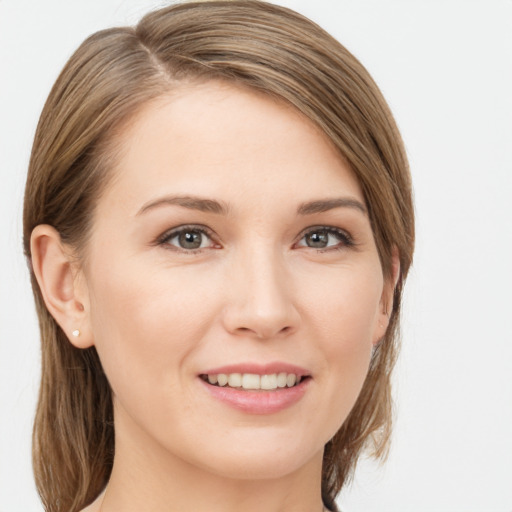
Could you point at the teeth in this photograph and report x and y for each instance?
(281, 380)
(268, 381)
(250, 381)
(235, 380)
(254, 381)
(290, 380)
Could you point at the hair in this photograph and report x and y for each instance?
(111, 76)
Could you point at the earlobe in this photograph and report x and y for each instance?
(64, 292)
(386, 301)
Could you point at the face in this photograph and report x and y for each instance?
(232, 245)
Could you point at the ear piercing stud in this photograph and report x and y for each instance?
(76, 333)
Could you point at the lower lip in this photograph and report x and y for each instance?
(258, 402)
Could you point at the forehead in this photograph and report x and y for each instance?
(217, 139)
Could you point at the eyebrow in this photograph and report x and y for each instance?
(213, 206)
(190, 202)
(324, 205)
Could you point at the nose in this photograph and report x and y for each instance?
(260, 292)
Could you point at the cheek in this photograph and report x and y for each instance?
(345, 316)
(145, 327)
(345, 306)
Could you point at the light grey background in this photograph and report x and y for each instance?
(445, 67)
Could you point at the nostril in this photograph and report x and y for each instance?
(264, 332)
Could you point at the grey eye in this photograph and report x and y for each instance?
(325, 238)
(317, 239)
(190, 239)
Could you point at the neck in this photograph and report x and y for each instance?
(210, 495)
(153, 479)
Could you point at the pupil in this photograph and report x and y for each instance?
(190, 240)
(318, 239)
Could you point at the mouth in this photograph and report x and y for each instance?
(254, 381)
(257, 389)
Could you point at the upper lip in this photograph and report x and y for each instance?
(258, 369)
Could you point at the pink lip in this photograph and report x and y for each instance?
(258, 401)
(258, 369)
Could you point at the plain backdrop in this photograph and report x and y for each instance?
(445, 67)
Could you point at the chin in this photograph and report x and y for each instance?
(262, 464)
(258, 453)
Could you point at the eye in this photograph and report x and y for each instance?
(325, 238)
(187, 238)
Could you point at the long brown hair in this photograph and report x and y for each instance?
(113, 74)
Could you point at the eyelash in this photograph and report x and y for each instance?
(165, 238)
(346, 241)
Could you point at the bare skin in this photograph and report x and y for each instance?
(233, 234)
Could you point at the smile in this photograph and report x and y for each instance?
(253, 381)
(257, 389)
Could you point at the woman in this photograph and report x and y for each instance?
(219, 223)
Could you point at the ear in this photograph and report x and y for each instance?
(386, 299)
(62, 284)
